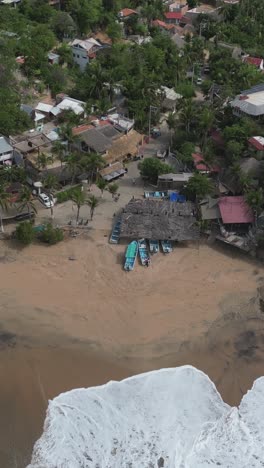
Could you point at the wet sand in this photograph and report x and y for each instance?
(71, 323)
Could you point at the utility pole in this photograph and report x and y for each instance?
(151, 108)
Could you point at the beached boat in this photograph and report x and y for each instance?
(155, 194)
(131, 255)
(166, 246)
(153, 246)
(115, 235)
(143, 252)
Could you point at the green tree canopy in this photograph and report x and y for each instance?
(152, 168)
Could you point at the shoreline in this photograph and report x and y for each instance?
(68, 324)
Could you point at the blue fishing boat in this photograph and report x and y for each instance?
(131, 255)
(153, 246)
(143, 252)
(166, 246)
(115, 235)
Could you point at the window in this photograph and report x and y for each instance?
(73, 55)
(78, 56)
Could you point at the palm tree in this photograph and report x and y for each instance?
(255, 199)
(67, 134)
(92, 163)
(58, 148)
(43, 160)
(171, 122)
(73, 165)
(101, 184)
(96, 79)
(50, 182)
(187, 113)
(206, 121)
(93, 202)
(113, 188)
(79, 200)
(4, 198)
(25, 201)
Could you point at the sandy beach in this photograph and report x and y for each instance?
(73, 323)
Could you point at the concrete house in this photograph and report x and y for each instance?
(6, 151)
(83, 51)
(249, 102)
(173, 17)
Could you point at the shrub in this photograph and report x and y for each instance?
(51, 235)
(67, 194)
(25, 233)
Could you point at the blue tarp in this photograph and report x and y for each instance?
(177, 197)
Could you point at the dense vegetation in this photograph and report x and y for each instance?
(139, 71)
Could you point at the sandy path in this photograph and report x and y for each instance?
(59, 319)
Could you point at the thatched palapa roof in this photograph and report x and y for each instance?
(124, 146)
(159, 220)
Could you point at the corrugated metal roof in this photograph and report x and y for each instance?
(96, 140)
(43, 107)
(4, 145)
(235, 210)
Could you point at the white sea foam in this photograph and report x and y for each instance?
(172, 417)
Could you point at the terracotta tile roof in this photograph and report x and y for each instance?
(84, 127)
(201, 166)
(161, 24)
(235, 210)
(127, 12)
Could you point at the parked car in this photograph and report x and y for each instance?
(199, 81)
(45, 200)
(161, 154)
(155, 132)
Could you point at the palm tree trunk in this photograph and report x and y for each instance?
(29, 211)
(78, 213)
(92, 213)
(2, 225)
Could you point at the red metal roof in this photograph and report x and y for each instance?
(173, 15)
(257, 144)
(253, 61)
(201, 166)
(235, 210)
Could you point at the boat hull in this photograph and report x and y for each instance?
(143, 252)
(131, 255)
(115, 235)
(153, 246)
(166, 246)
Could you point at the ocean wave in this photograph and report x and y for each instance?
(171, 418)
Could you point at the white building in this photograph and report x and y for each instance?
(249, 102)
(83, 51)
(68, 103)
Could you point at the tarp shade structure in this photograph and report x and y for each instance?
(176, 197)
